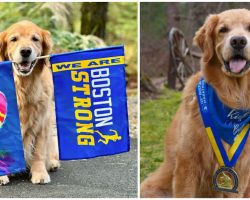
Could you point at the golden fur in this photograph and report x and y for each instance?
(34, 97)
(189, 161)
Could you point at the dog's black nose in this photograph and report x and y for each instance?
(238, 42)
(25, 52)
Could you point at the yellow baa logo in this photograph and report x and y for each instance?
(106, 138)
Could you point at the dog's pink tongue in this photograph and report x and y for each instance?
(237, 65)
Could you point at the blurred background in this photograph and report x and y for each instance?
(83, 25)
(167, 59)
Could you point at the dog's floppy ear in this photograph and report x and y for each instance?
(3, 52)
(204, 37)
(47, 44)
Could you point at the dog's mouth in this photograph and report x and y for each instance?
(237, 64)
(24, 67)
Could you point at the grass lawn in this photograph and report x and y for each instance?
(156, 116)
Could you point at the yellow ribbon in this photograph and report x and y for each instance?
(231, 150)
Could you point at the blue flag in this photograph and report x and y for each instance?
(11, 147)
(91, 103)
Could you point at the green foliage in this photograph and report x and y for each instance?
(153, 20)
(156, 116)
(13, 12)
(67, 41)
(64, 19)
(47, 15)
(122, 29)
(122, 16)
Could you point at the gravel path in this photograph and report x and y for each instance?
(133, 116)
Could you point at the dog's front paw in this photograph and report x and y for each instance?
(53, 165)
(4, 180)
(40, 178)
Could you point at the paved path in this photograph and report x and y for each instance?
(111, 176)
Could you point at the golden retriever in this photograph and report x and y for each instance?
(189, 161)
(22, 43)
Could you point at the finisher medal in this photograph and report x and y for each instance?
(223, 123)
(225, 179)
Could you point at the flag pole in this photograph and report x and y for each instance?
(42, 57)
(39, 57)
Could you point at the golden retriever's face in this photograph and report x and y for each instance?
(229, 36)
(23, 43)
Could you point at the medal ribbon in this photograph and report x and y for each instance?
(224, 158)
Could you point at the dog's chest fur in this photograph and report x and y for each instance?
(32, 103)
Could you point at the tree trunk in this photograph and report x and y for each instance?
(172, 21)
(94, 18)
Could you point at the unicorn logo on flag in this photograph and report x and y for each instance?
(3, 108)
(106, 138)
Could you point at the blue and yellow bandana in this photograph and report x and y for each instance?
(222, 122)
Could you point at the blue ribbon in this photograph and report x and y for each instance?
(225, 123)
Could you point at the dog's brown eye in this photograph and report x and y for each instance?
(13, 39)
(35, 39)
(223, 30)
